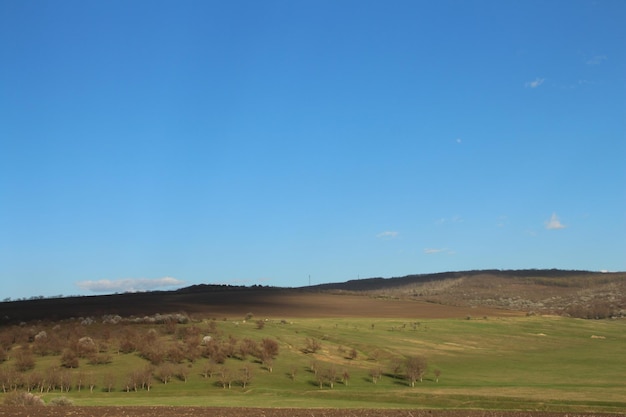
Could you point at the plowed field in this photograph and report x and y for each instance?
(51, 411)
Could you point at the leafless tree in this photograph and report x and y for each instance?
(376, 373)
(182, 372)
(108, 381)
(208, 368)
(80, 380)
(345, 377)
(90, 381)
(247, 347)
(353, 354)
(415, 367)
(65, 380)
(164, 373)
(24, 359)
(32, 381)
(330, 376)
(245, 375)
(311, 345)
(69, 359)
(226, 377)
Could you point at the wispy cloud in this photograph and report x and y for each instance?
(432, 251)
(128, 284)
(597, 60)
(535, 83)
(453, 219)
(388, 235)
(554, 223)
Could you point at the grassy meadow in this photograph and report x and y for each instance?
(523, 363)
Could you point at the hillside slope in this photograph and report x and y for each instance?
(451, 294)
(577, 293)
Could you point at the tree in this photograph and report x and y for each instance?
(226, 377)
(415, 367)
(90, 381)
(311, 345)
(437, 373)
(353, 354)
(208, 368)
(247, 347)
(69, 359)
(345, 377)
(108, 381)
(164, 373)
(182, 372)
(330, 375)
(245, 375)
(269, 350)
(376, 373)
(24, 360)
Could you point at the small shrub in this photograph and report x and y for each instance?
(61, 401)
(22, 398)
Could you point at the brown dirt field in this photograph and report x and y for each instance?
(51, 411)
(236, 303)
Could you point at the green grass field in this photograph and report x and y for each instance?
(530, 363)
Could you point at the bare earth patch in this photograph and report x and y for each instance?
(49, 411)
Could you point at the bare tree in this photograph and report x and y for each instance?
(292, 373)
(90, 381)
(245, 375)
(269, 351)
(69, 359)
(165, 372)
(437, 373)
(330, 375)
(208, 368)
(226, 377)
(247, 347)
(24, 359)
(311, 345)
(415, 367)
(345, 377)
(108, 380)
(353, 354)
(376, 373)
(182, 372)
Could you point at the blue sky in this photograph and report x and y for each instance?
(157, 144)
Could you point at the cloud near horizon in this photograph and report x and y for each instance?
(554, 223)
(128, 284)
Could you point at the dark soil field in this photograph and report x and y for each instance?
(236, 303)
(264, 412)
(446, 295)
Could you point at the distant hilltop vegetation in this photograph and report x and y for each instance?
(583, 294)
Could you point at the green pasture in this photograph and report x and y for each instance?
(529, 363)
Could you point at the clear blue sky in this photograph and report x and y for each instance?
(157, 144)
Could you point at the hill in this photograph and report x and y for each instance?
(450, 294)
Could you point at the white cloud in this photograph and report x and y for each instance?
(536, 83)
(128, 284)
(431, 251)
(554, 223)
(388, 235)
(597, 60)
